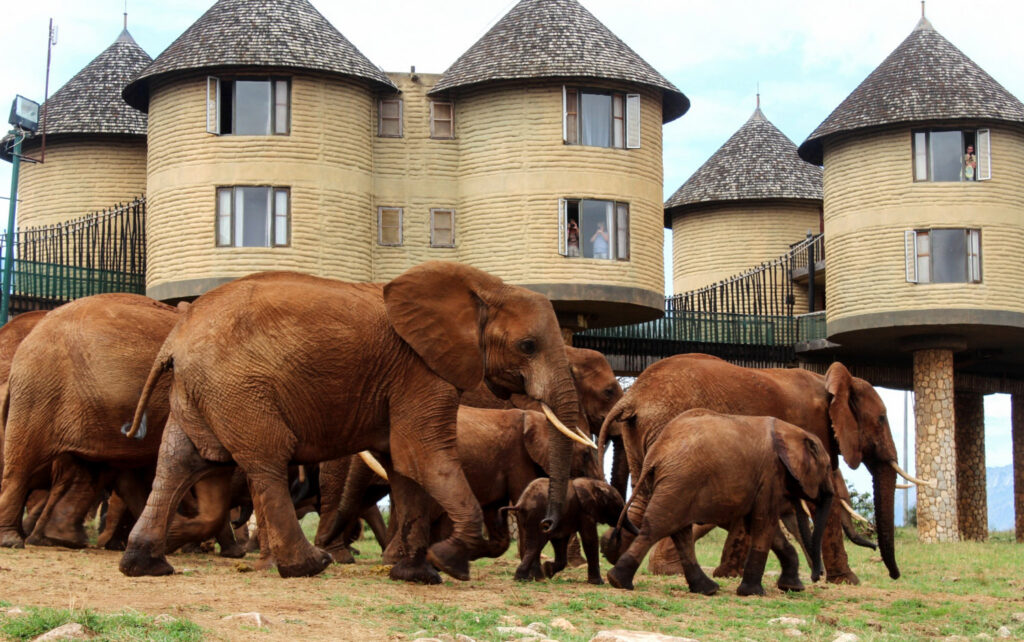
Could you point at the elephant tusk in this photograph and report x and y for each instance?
(853, 513)
(807, 509)
(571, 434)
(374, 465)
(904, 475)
(904, 486)
(302, 474)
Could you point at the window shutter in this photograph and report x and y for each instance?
(910, 247)
(622, 231)
(632, 121)
(984, 155)
(974, 256)
(432, 117)
(212, 105)
(565, 118)
(561, 228)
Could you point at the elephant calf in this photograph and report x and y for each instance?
(587, 503)
(707, 468)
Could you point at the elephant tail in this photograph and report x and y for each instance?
(621, 411)
(137, 429)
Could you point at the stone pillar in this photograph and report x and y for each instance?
(934, 452)
(971, 501)
(1017, 421)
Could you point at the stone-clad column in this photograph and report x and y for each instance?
(1017, 414)
(934, 453)
(971, 501)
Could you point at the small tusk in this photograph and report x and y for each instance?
(374, 465)
(904, 486)
(302, 474)
(571, 434)
(904, 475)
(807, 509)
(853, 513)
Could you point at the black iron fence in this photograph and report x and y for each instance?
(98, 253)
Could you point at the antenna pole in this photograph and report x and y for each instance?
(46, 91)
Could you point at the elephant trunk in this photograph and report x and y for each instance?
(884, 479)
(620, 467)
(824, 501)
(566, 407)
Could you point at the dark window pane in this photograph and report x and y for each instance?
(949, 256)
(597, 119)
(227, 106)
(254, 211)
(946, 155)
(252, 107)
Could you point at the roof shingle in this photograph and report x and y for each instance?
(925, 78)
(556, 39)
(758, 162)
(258, 33)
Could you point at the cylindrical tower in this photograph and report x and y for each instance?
(95, 153)
(260, 153)
(924, 229)
(560, 162)
(747, 204)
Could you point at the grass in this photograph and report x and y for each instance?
(120, 626)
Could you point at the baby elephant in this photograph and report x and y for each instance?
(707, 468)
(587, 503)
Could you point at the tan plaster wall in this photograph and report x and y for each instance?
(717, 242)
(326, 160)
(80, 176)
(514, 168)
(871, 199)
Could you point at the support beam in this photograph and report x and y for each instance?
(935, 445)
(971, 500)
(1017, 421)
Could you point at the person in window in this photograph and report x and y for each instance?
(600, 242)
(573, 238)
(970, 163)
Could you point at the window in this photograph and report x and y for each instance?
(442, 228)
(593, 229)
(252, 216)
(389, 117)
(943, 255)
(600, 119)
(952, 155)
(442, 120)
(389, 225)
(247, 106)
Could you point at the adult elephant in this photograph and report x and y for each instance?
(11, 335)
(844, 412)
(279, 367)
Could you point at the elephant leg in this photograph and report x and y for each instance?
(21, 465)
(266, 559)
(789, 579)
(498, 537)
(762, 531)
(734, 552)
(179, 466)
(531, 544)
(664, 559)
(34, 505)
(62, 478)
(409, 544)
(334, 481)
(613, 548)
(833, 552)
(391, 553)
(376, 522)
(229, 546)
(65, 526)
(212, 508)
(588, 538)
(560, 546)
(574, 557)
(653, 528)
(114, 536)
(696, 579)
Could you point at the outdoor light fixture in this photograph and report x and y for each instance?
(24, 113)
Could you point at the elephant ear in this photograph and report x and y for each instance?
(838, 383)
(438, 309)
(800, 452)
(535, 438)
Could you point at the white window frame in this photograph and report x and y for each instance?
(276, 218)
(434, 119)
(629, 107)
(214, 106)
(918, 255)
(433, 225)
(401, 117)
(380, 225)
(921, 154)
(617, 225)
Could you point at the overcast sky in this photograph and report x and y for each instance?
(806, 56)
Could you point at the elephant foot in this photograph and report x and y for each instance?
(726, 570)
(418, 571)
(789, 583)
(450, 558)
(308, 567)
(594, 579)
(746, 588)
(621, 575)
(113, 544)
(137, 562)
(549, 569)
(10, 538)
(844, 577)
(232, 551)
(44, 540)
(342, 555)
(191, 548)
(264, 563)
(703, 585)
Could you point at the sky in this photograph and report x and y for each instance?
(804, 56)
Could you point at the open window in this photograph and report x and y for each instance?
(248, 106)
(949, 255)
(600, 118)
(253, 216)
(952, 155)
(593, 229)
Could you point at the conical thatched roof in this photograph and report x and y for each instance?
(284, 34)
(556, 39)
(757, 163)
(926, 78)
(91, 103)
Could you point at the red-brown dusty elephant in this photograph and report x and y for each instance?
(11, 335)
(844, 412)
(689, 476)
(278, 367)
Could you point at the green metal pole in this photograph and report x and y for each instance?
(5, 302)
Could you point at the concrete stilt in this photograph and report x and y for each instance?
(971, 501)
(935, 455)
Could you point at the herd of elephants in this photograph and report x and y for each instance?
(280, 393)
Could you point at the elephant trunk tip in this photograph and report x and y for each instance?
(894, 573)
(550, 523)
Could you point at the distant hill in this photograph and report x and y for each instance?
(1000, 498)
